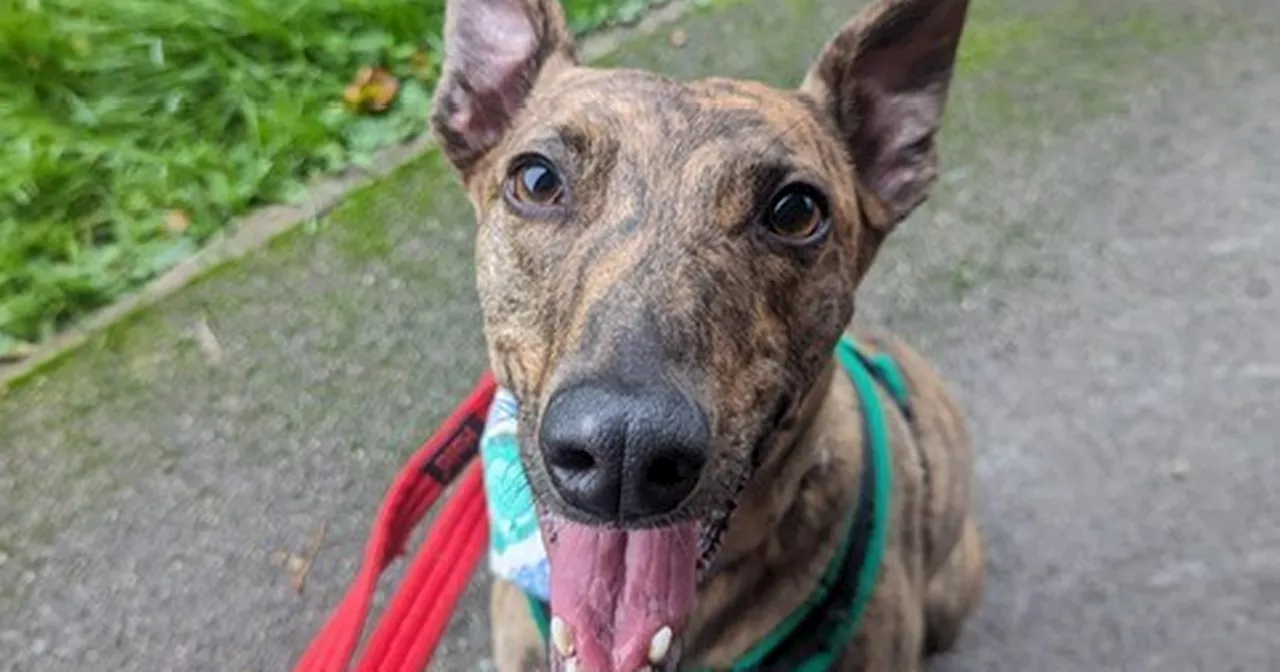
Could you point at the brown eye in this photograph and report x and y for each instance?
(797, 213)
(534, 181)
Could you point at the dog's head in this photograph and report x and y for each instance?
(664, 270)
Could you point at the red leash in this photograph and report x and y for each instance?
(415, 620)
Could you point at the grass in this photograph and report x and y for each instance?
(133, 131)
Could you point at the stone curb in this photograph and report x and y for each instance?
(257, 229)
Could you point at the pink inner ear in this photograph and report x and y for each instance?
(896, 130)
(494, 40)
(492, 60)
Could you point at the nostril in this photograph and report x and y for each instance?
(672, 470)
(663, 471)
(586, 481)
(665, 480)
(572, 459)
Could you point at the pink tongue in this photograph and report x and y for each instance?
(616, 588)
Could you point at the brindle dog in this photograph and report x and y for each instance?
(665, 268)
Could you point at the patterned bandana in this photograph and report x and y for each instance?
(516, 551)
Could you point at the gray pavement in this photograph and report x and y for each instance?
(1099, 276)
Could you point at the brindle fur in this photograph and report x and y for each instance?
(657, 267)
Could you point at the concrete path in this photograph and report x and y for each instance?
(1099, 275)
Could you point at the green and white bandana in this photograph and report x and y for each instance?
(516, 551)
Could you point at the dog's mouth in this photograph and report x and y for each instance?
(626, 556)
(621, 598)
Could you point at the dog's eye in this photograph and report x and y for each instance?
(534, 181)
(796, 213)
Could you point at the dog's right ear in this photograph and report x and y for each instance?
(494, 52)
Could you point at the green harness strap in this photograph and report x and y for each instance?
(832, 615)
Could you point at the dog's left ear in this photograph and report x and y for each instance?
(495, 51)
(883, 82)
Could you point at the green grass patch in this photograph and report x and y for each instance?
(133, 131)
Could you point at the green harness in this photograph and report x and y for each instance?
(813, 637)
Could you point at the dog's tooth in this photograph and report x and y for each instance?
(562, 637)
(660, 645)
(570, 665)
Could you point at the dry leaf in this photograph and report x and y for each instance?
(300, 566)
(679, 37)
(17, 353)
(177, 222)
(208, 341)
(373, 90)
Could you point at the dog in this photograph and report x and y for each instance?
(666, 270)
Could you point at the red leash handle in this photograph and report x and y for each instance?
(415, 620)
(419, 614)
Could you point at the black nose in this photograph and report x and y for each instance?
(623, 453)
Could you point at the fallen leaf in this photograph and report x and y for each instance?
(177, 222)
(679, 37)
(208, 341)
(302, 568)
(13, 350)
(372, 90)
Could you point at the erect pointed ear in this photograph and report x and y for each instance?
(883, 82)
(494, 53)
